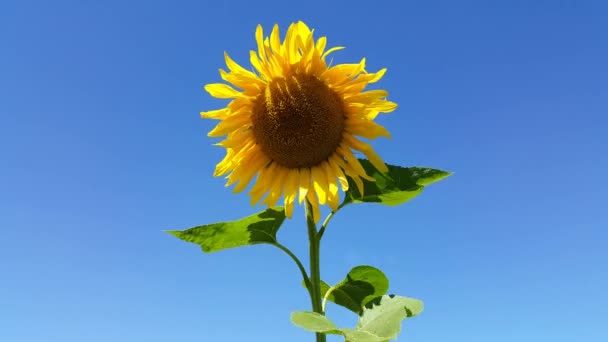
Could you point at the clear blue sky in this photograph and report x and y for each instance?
(102, 147)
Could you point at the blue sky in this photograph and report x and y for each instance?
(102, 147)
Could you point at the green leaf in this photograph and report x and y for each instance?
(314, 322)
(360, 336)
(426, 176)
(382, 317)
(255, 229)
(380, 321)
(362, 284)
(397, 186)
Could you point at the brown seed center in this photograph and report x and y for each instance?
(298, 121)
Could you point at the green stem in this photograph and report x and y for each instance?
(298, 263)
(325, 223)
(315, 269)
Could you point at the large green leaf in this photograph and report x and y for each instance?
(397, 186)
(255, 229)
(362, 284)
(382, 317)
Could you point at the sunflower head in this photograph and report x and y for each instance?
(293, 123)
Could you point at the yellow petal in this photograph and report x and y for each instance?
(350, 88)
(333, 199)
(251, 86)
(225, 165)
(377, 76)
(319, 181)
(233, 158)
(236, 139)
(291, 189)
(239, 104)
(291, 52)
(303, 28)
(380, 106)
(320, 46)
(229, 125)
(276, 186)
(262, 183)
(351, 172)
(222, 91)
(316, 213)
(275, 39)
(237, 68)
(343, 73)
(353, 162)
(366, 128)
(358, 182)
(245, 172)
(333, 49)
(304, 184)
(259, 38)
(337, 171)
(218, 114)
(367, 150)
(368, 96)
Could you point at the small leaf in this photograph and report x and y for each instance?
(362, 284)
(255, 229)
(397, 186)
(382, 317)
(314, 322)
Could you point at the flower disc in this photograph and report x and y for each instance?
(298, 121)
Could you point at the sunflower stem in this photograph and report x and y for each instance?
(315, 268)
(298, 263)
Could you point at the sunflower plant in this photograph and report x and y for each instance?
(290, 128)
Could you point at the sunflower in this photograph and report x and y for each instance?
(292, 124)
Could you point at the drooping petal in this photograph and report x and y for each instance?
(304, 184)
(337, 171)
(366, 128)
(319, 181)
(245, 172)
(278, 183)
(291, 190)
(354, 163)
(333, 198)
(263, 183)
(350, 172)
(369, 152)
